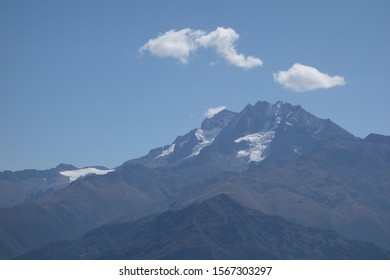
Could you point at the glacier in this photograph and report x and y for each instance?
(257, 144)
(78, 173)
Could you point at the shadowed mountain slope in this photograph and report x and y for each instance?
(218, 228)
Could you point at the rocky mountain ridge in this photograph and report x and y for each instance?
(217, 228)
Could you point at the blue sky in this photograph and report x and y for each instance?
(75, 87)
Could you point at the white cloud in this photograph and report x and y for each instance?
(177, 44)
(212, 111)
(223, 39)
(180, 44)
(302, 78)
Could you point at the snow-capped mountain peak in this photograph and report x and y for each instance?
(259, 131)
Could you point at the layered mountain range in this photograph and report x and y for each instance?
(217, 228)
(266, 162)
(29, 185)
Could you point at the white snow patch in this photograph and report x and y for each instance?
(257, 143)
(167, 152)
(206, 137)
(76, 174)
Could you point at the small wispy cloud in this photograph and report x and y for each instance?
(212, 111)
(301, 78)
(182, 43)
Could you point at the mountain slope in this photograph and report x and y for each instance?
(189, 145)
(218, 228)
(85, 204)
(29, 185)
(342, 185)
